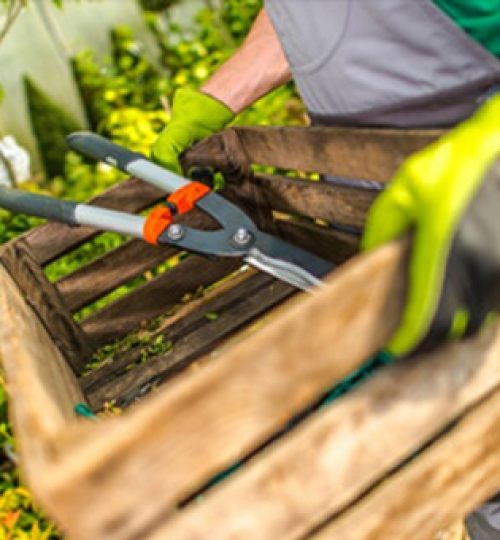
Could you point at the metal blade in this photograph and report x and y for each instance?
(287, 272)
(288, 263)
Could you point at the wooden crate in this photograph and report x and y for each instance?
(231, 442)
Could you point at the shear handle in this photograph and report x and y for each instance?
(101, 149)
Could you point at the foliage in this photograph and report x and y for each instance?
(157, 5)
(50, 126)
(19, 516)
(5, 434)
(126, 80)
(193, 54)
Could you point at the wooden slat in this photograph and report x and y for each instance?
(317, 200)
(41, 386)
(52, 240)
(190, 346)
(344, 451)
(110, 271)
(154, 298)
(371, 154)
(46, 302)
(186, 318)
(213, 417)
(327, 243)
(457, 473)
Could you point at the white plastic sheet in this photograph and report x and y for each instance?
(18, 159)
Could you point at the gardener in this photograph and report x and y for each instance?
(391, 62)
(402, 63)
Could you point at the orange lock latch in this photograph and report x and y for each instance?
(180, 202)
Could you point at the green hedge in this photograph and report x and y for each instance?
(50, 125)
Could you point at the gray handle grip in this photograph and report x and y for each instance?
(71, 213)
(101, 149)
(38, 205)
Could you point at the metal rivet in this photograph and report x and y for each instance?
(175, 232)
(242, 237)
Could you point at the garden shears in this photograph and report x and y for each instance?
(237, 237)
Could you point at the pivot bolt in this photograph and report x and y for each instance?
(175, 232)
(242, 237)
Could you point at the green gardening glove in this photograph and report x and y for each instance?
(195, 115)
(449, 195)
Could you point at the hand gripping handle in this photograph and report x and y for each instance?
(101, 149)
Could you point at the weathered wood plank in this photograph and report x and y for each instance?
(317, 200)
(193, 345)
(186, 319)
(371, 154)
(347, 449)
(41, 386)
(46, 302)
(108, 272)
(228, 408)
(52, 240)
(330, 244)
(455, 474)
(154, 298)
(363, 153)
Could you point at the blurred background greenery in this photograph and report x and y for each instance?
(126, 96)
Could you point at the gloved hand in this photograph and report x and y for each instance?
(195, 115)
(449, 195)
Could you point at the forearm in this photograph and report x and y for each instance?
(256, 68)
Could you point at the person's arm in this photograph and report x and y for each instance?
(258, 67)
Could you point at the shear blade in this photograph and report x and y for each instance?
(288, 263)
(291, 274)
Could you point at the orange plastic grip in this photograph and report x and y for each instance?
(184, 199)
(156, 222)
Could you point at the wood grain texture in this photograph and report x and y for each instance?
(345, 450)
(52, 240)
(204, 336)
(371, 154)
(41, 387)
(317, 200)
(457, 532)
(186, 318)
(363, 153)
(453, 477)
(108, 272)
(154, 298)
(46, 302)
(330, 244)
(206, 421)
